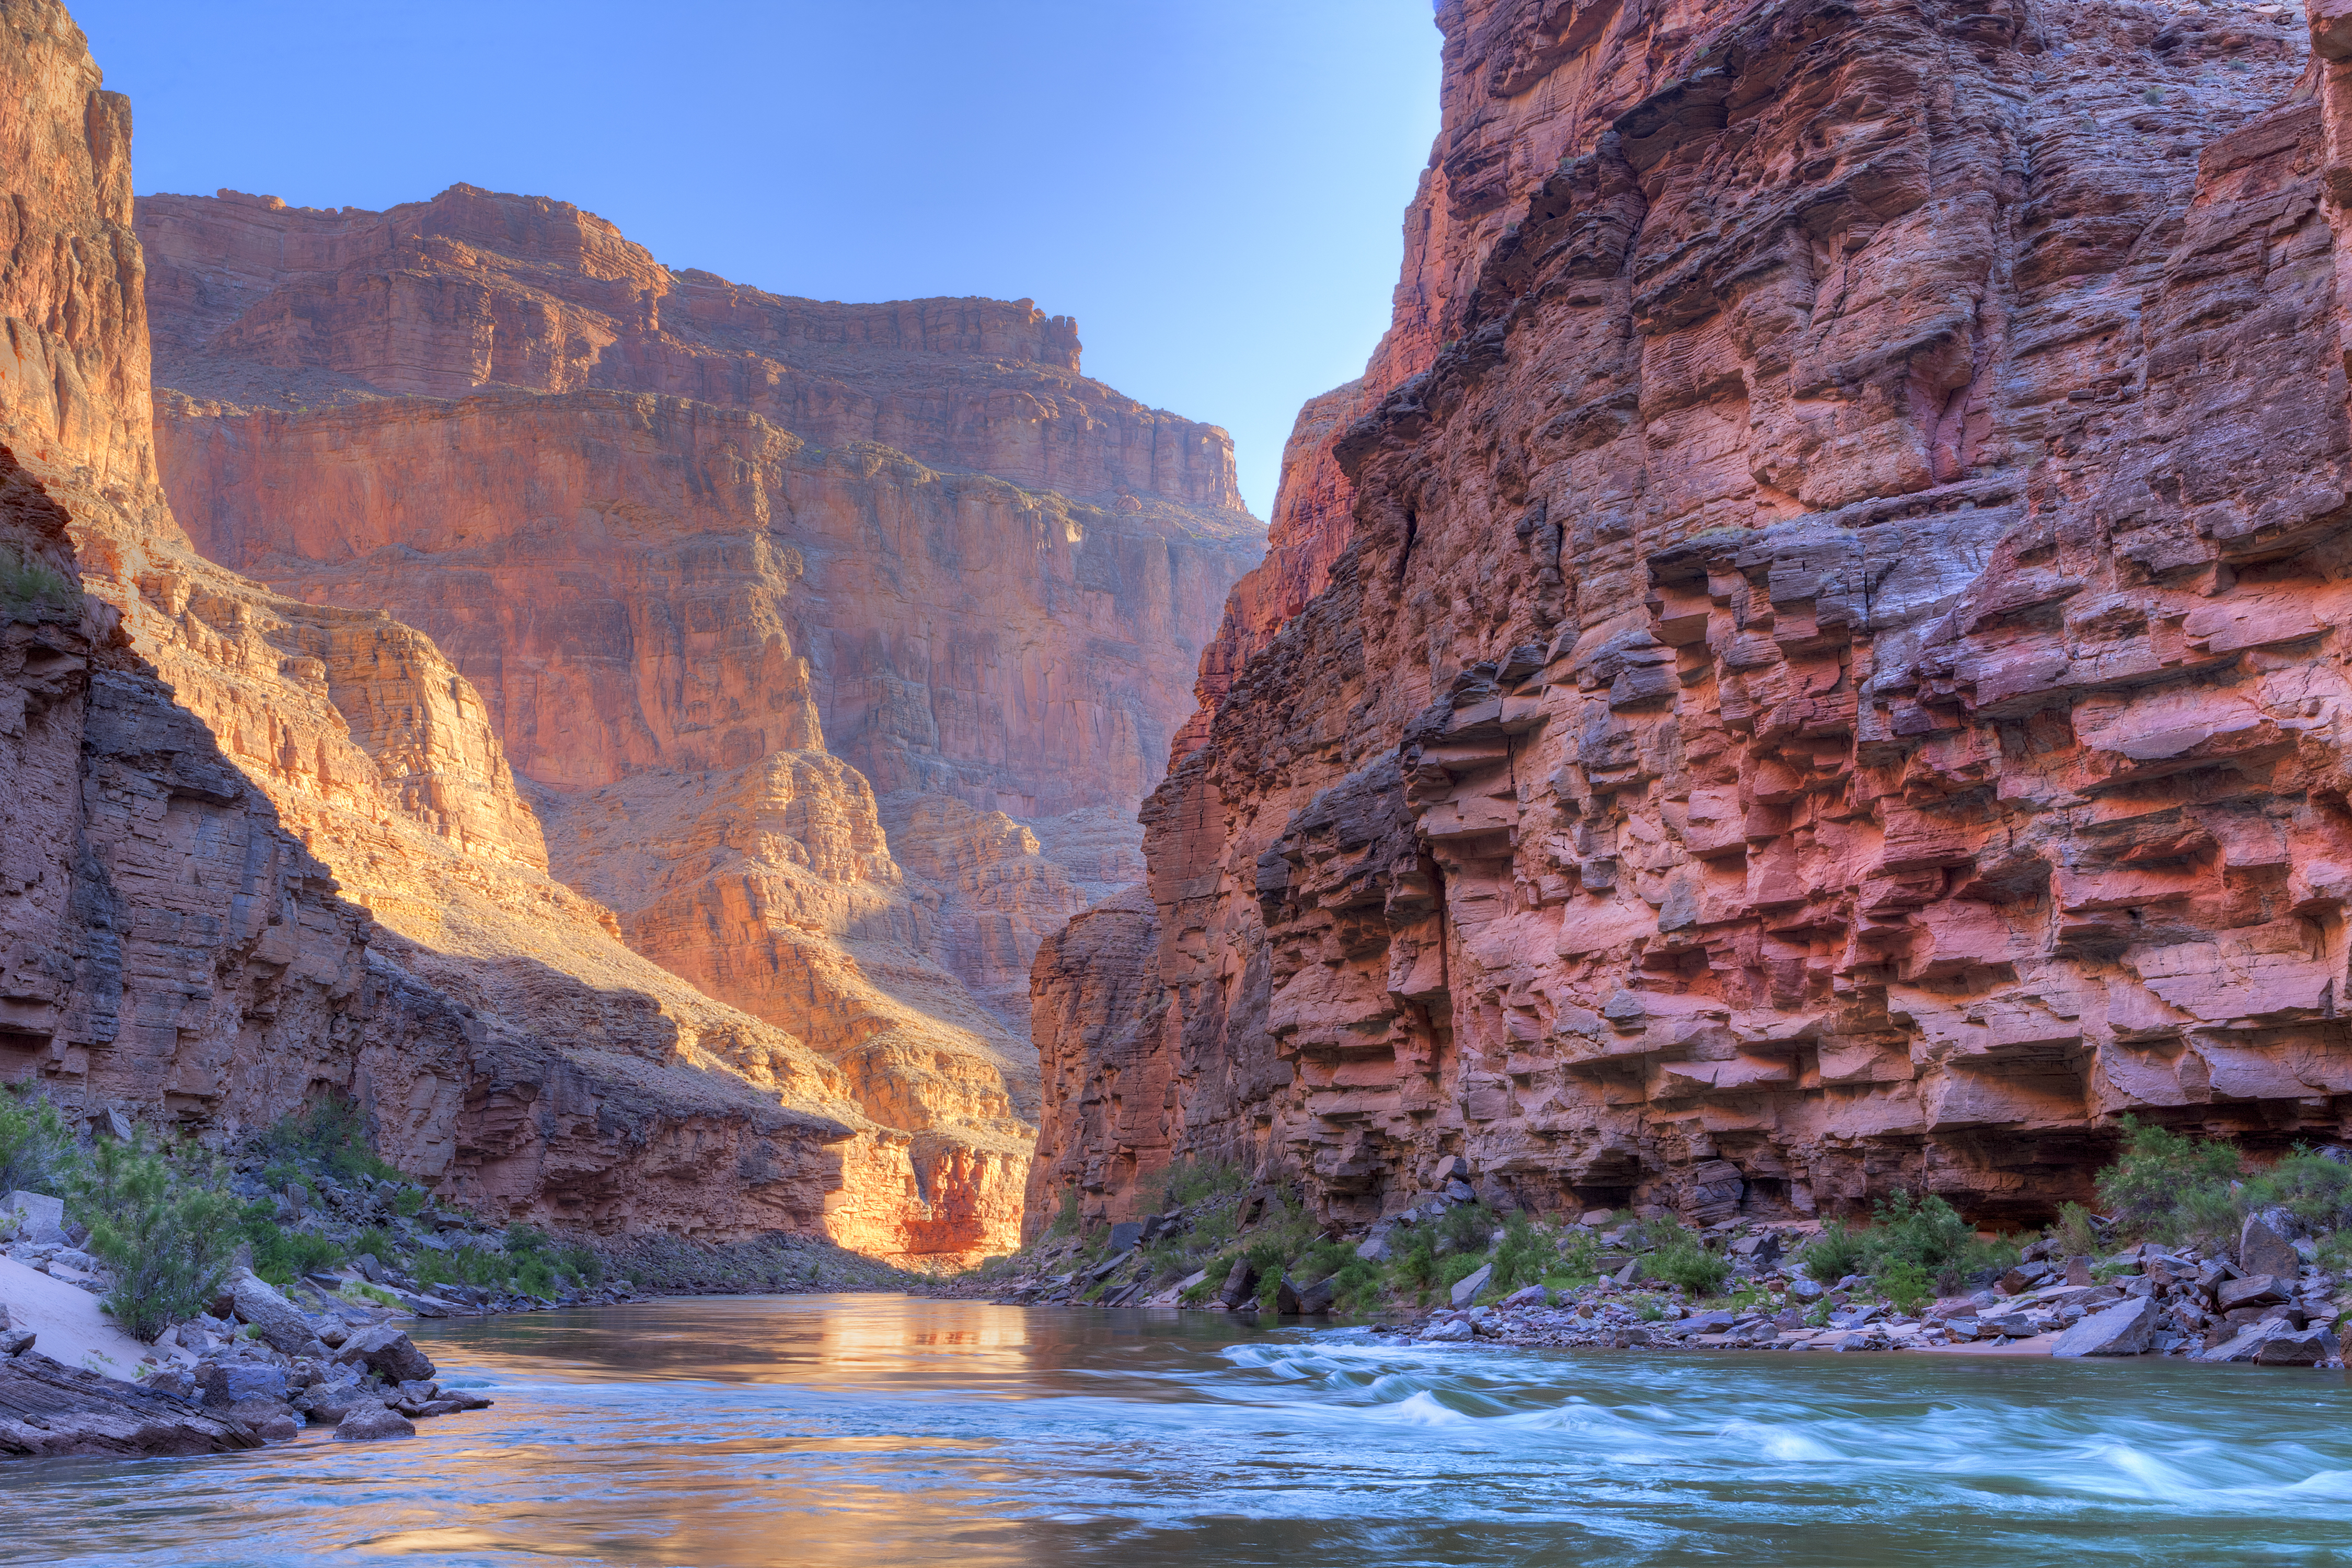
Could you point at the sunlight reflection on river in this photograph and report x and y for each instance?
(880, 1430)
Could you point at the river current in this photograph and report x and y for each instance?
(879, 1430)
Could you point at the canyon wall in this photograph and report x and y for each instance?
(834, 645)
(257, 851)
(1831, 674)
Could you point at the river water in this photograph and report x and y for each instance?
(879, 1430)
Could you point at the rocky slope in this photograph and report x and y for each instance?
(1829, 677)
(833, 645)
(258, 851)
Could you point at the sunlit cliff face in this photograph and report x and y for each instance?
(1804, 669)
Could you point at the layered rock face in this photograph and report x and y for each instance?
(1833, 679)
(835, 645)
(256, 851)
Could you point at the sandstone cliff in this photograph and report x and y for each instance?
(1832, 677)
(835, 645)
(256, 850)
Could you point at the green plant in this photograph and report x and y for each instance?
(1065, 1217)
(2166, 1186)
(166, 1240)
(1929, 1235)
(1648, 1310)
(281, 1255)
(1468, 1227)
(2315, 1190)
(330, 1137)
(28, 588)
(1188, 1182)
(1522, 1256)
(377, 1243)
(1682, 1258)
(2073, 1231)
(1580, 1255)
(2152, 95)
(1456, 1267)
(1412, 1258)
(37, 1152)
(1819, 1318)
(1357, 1287)
(365, 1291)
(1837, 1252)
(1906, 1286)
(2336, 1252)
(409, 1202)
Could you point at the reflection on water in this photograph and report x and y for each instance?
(877, 1431)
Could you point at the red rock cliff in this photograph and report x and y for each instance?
(1833, 681)
(256, 851)
(698, 547)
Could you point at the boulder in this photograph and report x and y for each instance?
(2254, 1291)
(1315, 1301)
(1453, 1331)
(1527, 1295)
(1803, 1290)
(2266, 1244)
(1466, 1290)
(283, 1327)
(387, 1351)
(39, 1217)
(2078, 1270)
(228, 1384)
(1240, 1286)
(370, 1422)
(1285, 1297)
(1374, 1249)
(47, 1409)
(2125, 1329)
(271, 1420)
(16, 1342)
(1126, 1235)
(2285, 1346)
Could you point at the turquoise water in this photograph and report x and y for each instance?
(876, 1430)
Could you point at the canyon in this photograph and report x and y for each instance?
(1810, 666)
(626, 731)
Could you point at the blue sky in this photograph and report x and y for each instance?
(1213, 188)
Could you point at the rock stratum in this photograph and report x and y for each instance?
(1812, 662)
(555, 873)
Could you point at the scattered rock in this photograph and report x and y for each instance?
(283, 1327)
(371, 1422)
(1466, 1290)
(2266, 1244)
(47, 1409)
(39, 1217)
(1126, 1235)
(387, 1351)
(2124, 1329)
(1453, 1331)
(2255, 1290)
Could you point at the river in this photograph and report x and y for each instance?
(880, 1430)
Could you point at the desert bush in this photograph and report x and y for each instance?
(1468, 1227)
(1412, 1258)
(2315, 1190)
(36, 1152)
(329, 1137)
(1189, 1182)
(281, 1255)
(1523, 1256)
(166, 1235)
(2074, 1232)
(1837, 1252)
(1906, 1286)
(2166, 1186)
(29, 589)
(1065, 1217)
(1679, 1258)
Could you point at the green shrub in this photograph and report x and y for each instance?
(167, 1239)
(1681, 1259)
(2315, 1190)
(377, 1243)
(29, 589)
(1837, 1252)
(1522, 1256)
(1648, 1310)
(409, 1202)
(36, 1152)
(329, 1137)
(1457, 1267)
(1906, 1286)
(1065, 1218)
(1468, 1227)
(1580, 1255)
(280, 1256)
(2166, 1186)
(2073, 1231)
(1357, 1287)
(1413, 1258)
(2336, 1252)
(1188, 1182)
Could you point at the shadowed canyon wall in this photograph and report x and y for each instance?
(1829, 674)
(258, 850)
(834, 646)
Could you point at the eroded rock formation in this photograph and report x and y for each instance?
(835, 645)
(1833, 676)
(256, 850)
